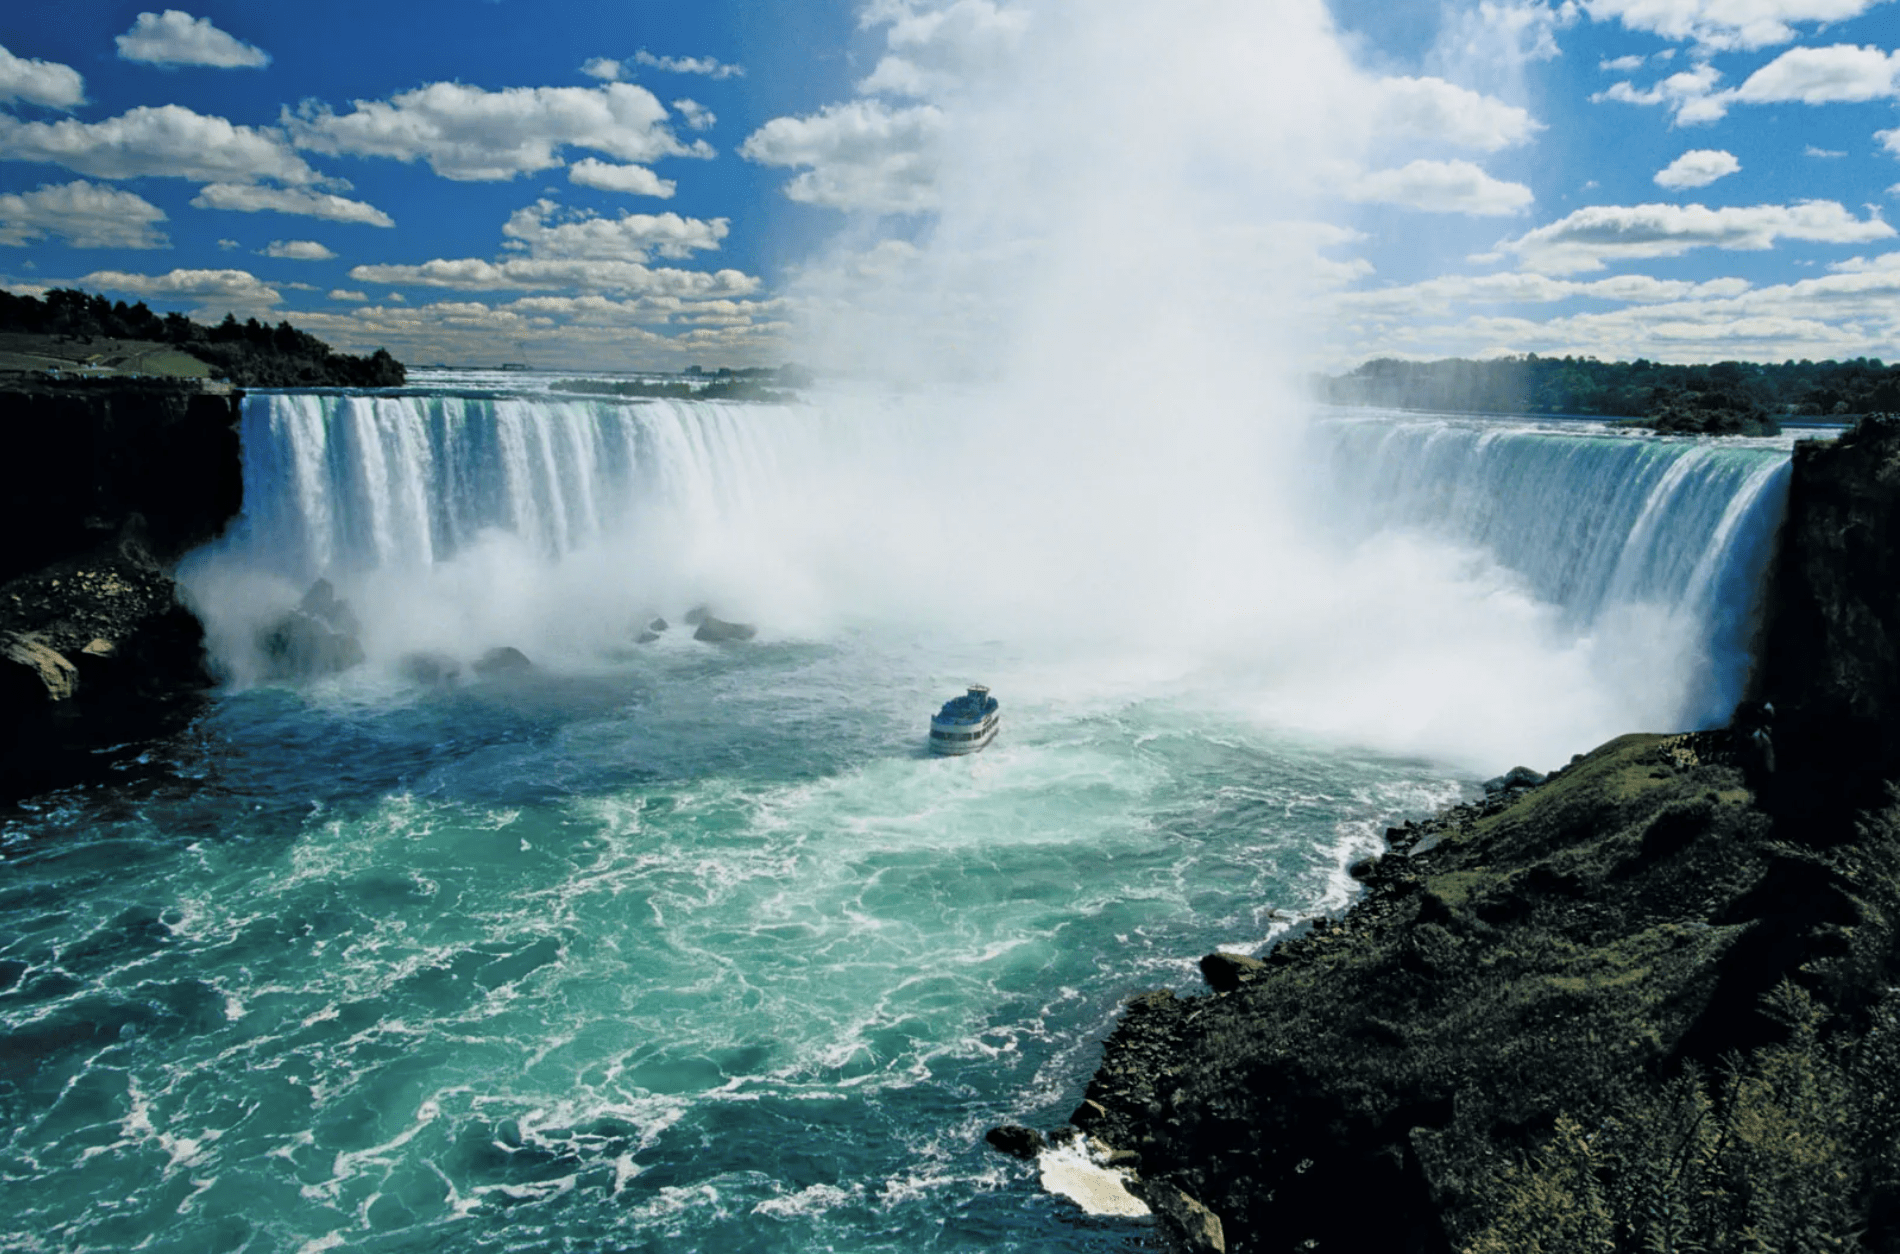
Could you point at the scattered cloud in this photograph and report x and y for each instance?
(934, 48)
(214, 289)
(1724, 25)
(472, 135)
(1690, 94)
(175, 37)
(40, 82)
(1890, 140)
(344, 293)
(635, 180)
(1841, 72)
(1441, 187)
(1825, 153)
(1591, 238)
(1698, 167)
(169, 141)
(472, 274)
(228, 244)
(630, 237)
(605, 68)
(708, 66)
(1433, 109)
(85, 215)
(1622, 65)
(297, 250)
(249, 198)
(861, 154)
(696, 115)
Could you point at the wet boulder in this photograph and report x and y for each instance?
(1015, 1140)
(1226, 972)
(432, 670)
(319, 637)
(718, 631)
(505, 660)
(1515, 778)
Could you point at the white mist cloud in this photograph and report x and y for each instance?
(1441, 187)
(1433, 109)
(473, 135)
(297, 250)
(635, 180)
(174, 37)
(167, 141)
(630, 237)
(1725, 24)
(1697, 168)
(1591, 238)
(40, 82)
(249, 198)
(84, 215)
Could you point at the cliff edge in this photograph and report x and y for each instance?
(1646, 1003)
(107, 484)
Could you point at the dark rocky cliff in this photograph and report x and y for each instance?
(107, 484)
(1648, 1003)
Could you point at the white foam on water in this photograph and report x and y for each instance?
(1073, 1170)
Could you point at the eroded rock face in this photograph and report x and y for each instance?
(719, 631)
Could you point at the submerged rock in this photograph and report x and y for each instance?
(1016, 1140)
(317, 638)
(658, 624)
(506, 660)
(718, 631)
(646, 637)
(434, 670)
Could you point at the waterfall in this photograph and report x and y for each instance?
(1596, 522)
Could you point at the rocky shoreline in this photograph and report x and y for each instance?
(110, 483)
(1645, 1003)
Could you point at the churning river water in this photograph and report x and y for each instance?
(688, 947)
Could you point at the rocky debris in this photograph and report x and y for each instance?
(317, 638)
(718, 631)
(1016, 1141)
(431, 670)
(56, 678)
(1226, 972)
(1516, 777)
(1196, 1229)
(504, 660)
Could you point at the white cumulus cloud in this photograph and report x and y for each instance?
(166, 141)
(696, 115)
(175, 37)
(345, 294)
(635, 180)
(471, 274)
(83, 214)
(1591, 238)
(297, 250)
(1441, 187)
(249, 198)
(235, 289)
(1697, 168)
(1433, 109)
(709, 66)
(1725, 24)
(861, 154)
(40, 82)
(472, 135)
(630, 237)
(1890, 140)
(605, 68)
(1838, 73)
(1691, 95)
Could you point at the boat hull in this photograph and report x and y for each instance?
(954, 739)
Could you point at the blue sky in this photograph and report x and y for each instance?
(585, 183)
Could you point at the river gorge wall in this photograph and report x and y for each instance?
(1645, 1003)
(106, 484)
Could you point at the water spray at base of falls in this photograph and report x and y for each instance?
(1458, 589)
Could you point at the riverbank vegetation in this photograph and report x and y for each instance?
(69, 331)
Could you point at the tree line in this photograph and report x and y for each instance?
(1617, 389)
(248, 353)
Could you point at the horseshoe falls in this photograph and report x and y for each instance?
(681, 945)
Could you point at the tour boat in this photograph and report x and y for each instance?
(966, 723)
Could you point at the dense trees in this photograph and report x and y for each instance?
(1614, 389)
(249, 353)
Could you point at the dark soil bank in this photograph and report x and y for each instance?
(1643, 1005)
(106, 485)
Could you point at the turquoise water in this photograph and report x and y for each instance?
(684, 947)
(695, 950)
